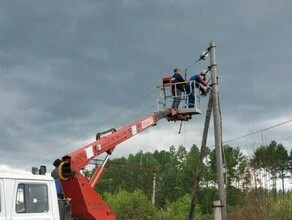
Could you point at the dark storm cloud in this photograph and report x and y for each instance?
(67, 67)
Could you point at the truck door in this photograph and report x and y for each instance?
(2, 204)
(32, 202)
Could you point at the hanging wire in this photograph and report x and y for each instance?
(202, 57)
(83, 134)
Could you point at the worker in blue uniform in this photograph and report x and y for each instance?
(55, 175)
(197, 81)
(177, 89)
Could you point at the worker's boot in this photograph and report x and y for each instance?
(184, 117)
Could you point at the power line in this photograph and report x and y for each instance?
(265, 129)
(202, 57)
(86, 132)
(115, 116)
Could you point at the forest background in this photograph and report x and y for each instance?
(252, 183)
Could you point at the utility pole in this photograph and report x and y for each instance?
(154, 188)
(199, 171)
(217, 130)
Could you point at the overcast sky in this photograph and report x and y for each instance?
(70, 69)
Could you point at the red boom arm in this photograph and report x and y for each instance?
(86, 203)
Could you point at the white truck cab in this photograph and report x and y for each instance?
(24, 196)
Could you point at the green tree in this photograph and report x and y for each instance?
(282, 163)
(114, 177)
(273, 159)
(259, 162)
(290, 162)
(189, 169)
(131, 206)
(236, 164)
(179, 209)
(206, 197)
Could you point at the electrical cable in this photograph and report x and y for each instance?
(118, 114)
(85, 133)
(256, 132)
(202, 57)
(106, 121)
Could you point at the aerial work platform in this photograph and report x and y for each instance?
(190, 99)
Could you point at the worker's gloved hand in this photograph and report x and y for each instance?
(206, 90)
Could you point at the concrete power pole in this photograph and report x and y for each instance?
(217, 131)
(199, 171)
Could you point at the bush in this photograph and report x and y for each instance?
(131, 206)
(180, 209)
(282, 208)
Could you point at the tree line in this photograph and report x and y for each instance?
(250, 181)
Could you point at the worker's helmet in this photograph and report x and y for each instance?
(204, 72)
